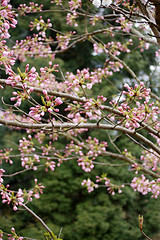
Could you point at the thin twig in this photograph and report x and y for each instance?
(145, 235)
(39, 219)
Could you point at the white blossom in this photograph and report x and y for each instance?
(106, 3)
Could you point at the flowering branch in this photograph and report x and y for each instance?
(65, 126)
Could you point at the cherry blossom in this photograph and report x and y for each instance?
(89, 184)
(33, 7)
(69, 105)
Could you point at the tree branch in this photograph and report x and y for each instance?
(68, 126)
(39, 219)
(114, 155)
(144, 9)
(140, 35)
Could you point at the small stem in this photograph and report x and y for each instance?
(60, 233)
(145, 235)
(39, 219)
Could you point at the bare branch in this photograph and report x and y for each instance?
(68, 126)
(39, 219)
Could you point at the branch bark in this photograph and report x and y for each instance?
(68, 126)
(144, 9)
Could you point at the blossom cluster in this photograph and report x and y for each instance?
(9, 196)
(89, 185)
(21, 96)
(86, 163)
(95, 147)
(139, 91)
(11, 236)
(91, 108)
(115, 47)
(63, 40)
(7, 19)
(95, 19)
(17, 198)
(5, 155)
(144, 186)
(125, 25)
(29, 79)
(86, 159)
(49, 105)
(74, 4)
(71, 18)
(144, 46)
(146, 112)
(26, 147)
(32, 8)
(26, 77)
(47, 79)
(95, 103)
(36, 46)
(151, 160)
(55, 91)
(7, 57)
(83, 79)
(41, 26)
(48, 150)
(141, 113)
(111, 188)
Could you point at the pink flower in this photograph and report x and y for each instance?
(58, 101)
